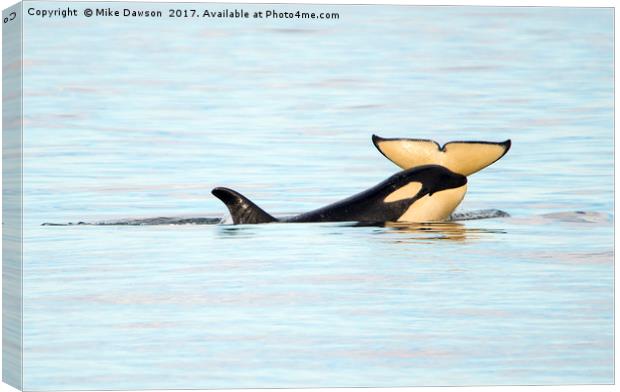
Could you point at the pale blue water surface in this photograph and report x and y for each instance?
(131, 118)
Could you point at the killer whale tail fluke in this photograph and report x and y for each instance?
(242, 210)
(463, 157)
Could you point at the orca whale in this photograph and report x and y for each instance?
(462, 157)
(393, 200)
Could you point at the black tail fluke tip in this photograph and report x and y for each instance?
(506, 144)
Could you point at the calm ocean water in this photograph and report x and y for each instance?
(130, 118)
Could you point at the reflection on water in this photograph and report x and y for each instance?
(236, 231)
(445, 231)
(428, 232)
(414, 232)
(143, 118)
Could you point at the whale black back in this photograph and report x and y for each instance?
(386, 201)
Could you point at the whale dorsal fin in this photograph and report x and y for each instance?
(461, 157)
(241, 208)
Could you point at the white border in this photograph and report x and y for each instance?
(545, 3)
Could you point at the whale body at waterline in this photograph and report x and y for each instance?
(393, 200)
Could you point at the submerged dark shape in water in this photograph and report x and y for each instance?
(144, 222)
(163, 221)
(479, 214)
(391, 200)
(579, 217)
